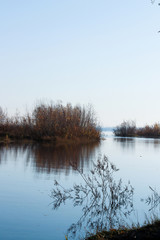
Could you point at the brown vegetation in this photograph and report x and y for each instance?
(125, 129)
(150, 231)
(47, 157)
(129, 129)
(149, 131)
(48, 122)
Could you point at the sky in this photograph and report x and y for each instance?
(101, 52)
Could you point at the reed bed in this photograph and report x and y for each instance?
(129, 129)
(51, 122)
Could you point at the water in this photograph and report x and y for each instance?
(27, 174)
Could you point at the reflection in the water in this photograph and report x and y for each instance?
(48, 158)
(131, 142)
(125, 142)
(152, 143)
(153, 201)
(27, 172)
(105, 202)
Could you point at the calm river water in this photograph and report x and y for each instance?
(29, 209)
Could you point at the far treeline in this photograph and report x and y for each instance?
(51, 122)
(129, 129)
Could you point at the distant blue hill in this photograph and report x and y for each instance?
(107, 128)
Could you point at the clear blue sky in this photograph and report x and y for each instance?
(102, 52)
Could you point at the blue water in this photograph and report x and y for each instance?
(27, 174)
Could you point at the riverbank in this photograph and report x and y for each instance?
(57, 141)
(150, 231)
(129, 129)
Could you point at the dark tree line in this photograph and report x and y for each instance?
(129, 129)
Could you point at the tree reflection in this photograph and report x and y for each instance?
(48, 158)
(125, 143)
(105, 202)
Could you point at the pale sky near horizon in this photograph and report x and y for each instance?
(102, 52)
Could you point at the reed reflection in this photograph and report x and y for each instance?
(152, 143)
(153, 200)
(130, 143)
(49, 158)
(105, 203)
(125, 143)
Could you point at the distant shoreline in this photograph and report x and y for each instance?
(129, 129)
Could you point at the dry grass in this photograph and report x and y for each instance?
(150, 231)
(48, 122)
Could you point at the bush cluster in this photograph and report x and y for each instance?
(149, 131)
(49, 121)
(125, 129)
(129, 129)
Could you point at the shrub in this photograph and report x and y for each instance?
(149, 131)
(48, 121)
(125, 129)
(128, 129)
